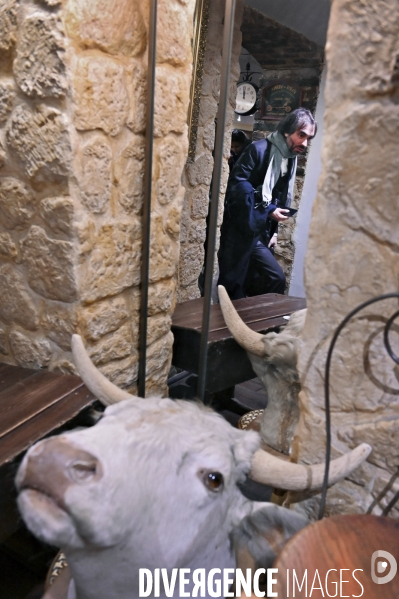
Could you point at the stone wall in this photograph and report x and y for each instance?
(197, 175)
(72, 133)
(353, 256)
(283, 54)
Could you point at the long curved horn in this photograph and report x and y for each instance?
(251, 341)
(101, 387)
(280, 474)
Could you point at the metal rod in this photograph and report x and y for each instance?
(217, 171)
(391, 504)
(387, 343)
(384, 491)
(146, 216)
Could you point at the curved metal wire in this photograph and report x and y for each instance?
(327, 380)
(377, 500)
(394, 357)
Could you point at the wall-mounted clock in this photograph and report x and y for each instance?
(246, 98)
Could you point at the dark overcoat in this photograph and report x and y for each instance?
(244, 220)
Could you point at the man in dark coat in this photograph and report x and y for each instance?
(259, 193)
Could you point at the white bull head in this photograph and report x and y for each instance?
(274, 358)
(154, 484)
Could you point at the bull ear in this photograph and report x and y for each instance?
(101, 387)
(260, 537)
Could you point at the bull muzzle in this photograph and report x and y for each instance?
(53, 465)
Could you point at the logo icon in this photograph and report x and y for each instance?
(380, 566)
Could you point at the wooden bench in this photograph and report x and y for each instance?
(33, 404)
(227, 363)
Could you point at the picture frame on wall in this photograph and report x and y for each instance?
(279, 98)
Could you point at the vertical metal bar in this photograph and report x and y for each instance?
(146, 216)
(217, 171)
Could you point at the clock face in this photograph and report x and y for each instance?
(245, 98)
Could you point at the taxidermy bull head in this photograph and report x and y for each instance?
(274, 358)
(155, 484)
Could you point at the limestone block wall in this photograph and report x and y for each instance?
(197, 175)
(72, 134)
(353, 256)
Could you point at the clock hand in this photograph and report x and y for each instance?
(243, 93)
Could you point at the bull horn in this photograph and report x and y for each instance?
(251, 341)
(101, 387)
(269, 470)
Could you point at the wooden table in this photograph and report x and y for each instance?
(227, 363)
(33, 404)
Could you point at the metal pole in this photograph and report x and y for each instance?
(146, 217)
(217, 171)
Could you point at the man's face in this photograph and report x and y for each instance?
(298, 141)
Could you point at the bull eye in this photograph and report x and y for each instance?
(83, 471)
(212, 480)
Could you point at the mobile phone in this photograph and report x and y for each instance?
(291, 212)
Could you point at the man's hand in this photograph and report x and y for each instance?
(273, 241)
(280, 214)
